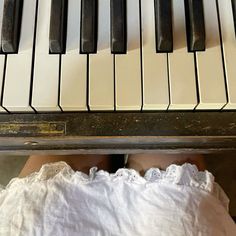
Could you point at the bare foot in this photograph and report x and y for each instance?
(143, 162)
(77, 162)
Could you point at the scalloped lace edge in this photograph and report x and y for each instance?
(186, 174)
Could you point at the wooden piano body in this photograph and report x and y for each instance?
(116, 132)
(178, 78)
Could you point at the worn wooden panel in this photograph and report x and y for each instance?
(132, 124)
(118, 132)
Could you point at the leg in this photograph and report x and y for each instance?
(142, 162)
(77, 162)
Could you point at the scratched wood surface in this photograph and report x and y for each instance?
(70, 133)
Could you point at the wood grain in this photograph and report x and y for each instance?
(173, 132)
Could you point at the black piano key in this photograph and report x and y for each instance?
(195, 25)
(89, 25)
(58, 21)
(234, 13)
(163, 23)
(118, 27)
(11, 25)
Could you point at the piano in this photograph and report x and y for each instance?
(117, 76)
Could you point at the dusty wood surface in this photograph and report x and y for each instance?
(118, 132)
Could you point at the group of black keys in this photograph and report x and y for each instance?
(194, 13)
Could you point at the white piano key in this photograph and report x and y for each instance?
(183, 93)
(211, 83)
(229, 48)
(73, 95)
(128, 80)
(46, 66)
(2, 56)
(16, 96)
(155, 70)
(101, 66)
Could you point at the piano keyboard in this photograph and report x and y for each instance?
(124, 55)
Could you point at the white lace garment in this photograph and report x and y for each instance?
(59, 201)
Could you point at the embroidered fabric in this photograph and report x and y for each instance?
(186, 174)
(58, 200)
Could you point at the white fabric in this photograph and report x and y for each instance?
(59, 201)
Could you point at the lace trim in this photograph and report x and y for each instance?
(186, 174)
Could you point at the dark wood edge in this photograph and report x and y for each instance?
(118, 132)
(106, 150)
